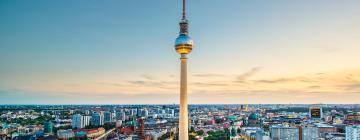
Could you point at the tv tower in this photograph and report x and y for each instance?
(183, 46)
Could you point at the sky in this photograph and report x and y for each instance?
(122, 51)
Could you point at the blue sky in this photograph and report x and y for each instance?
(121, 51)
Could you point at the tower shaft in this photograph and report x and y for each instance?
(183, 118)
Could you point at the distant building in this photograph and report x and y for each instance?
(352, 119)
(138, 112)
(121, 116)
(86, 120)
(79, 121)
(325, 129)
(141, 130)
(145, 113)
(48, 127)
(97, 119)
(155, 135)
(253, 120)
(133, 112)
(249, 133)
(352, 132)
(65, 134)
(261, 135)
(315, 112)
(309, 133)
(87, 112)
(118, 123)
(2, 137)
(107, 117)
(172, 113)
(90, 133)
(284, 133)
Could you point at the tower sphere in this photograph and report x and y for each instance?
(183, 44)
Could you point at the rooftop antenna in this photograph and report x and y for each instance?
(183, 11)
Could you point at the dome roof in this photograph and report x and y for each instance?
(184, 39)
(253, 116)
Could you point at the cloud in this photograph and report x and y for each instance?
(310, 87)
(148, 77)
(111, 84)
(243, 77)
(138, 82)
(314, 87)
(145, 83)
(208, 75)
(286, 79)
(278, 80)
(204, 84)
(163, 84)
(352, 87)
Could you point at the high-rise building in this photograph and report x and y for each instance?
(79, 121)
(133, 112)
(87, 112)
(183, 46)
(352, 132)
(309, 133)
(107, 117)
(172, 113)
(113, 116)
(138, 112)
(48, 127)
(141, 129)
(86, 120)
(123, 116)
(284, 133)
(97, 119)
(315, 112)
(145, 113)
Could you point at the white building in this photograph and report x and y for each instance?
(118, 123)
(278, 132)
(65, 134)
(310, 133)
(352, 132)
(86, 120)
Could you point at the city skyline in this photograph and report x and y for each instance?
(98, 52)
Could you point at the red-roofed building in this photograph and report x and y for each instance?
(127, 130)
(91, 133)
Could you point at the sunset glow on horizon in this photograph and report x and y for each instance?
(258, 52)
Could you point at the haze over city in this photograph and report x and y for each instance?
(122, 52)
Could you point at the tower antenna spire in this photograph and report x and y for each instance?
(183, 46)
(183, 10)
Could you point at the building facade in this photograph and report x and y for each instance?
(352, 132)
(97, 119)
(284, 133)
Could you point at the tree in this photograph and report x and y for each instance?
(200, 132)
(218, 135)
(233, 132)
(191, 137)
